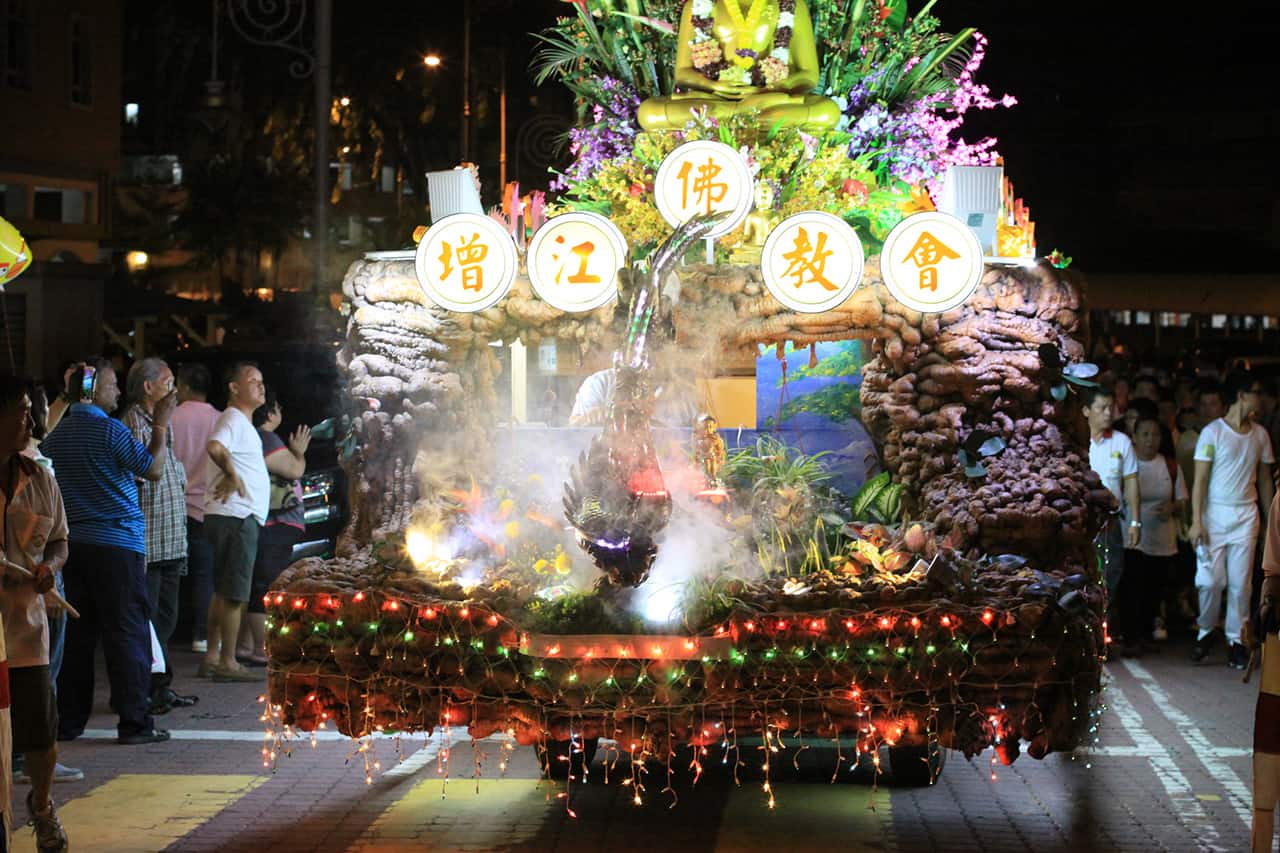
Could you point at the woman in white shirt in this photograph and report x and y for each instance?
(1164, 493)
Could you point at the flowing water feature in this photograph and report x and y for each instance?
(616, 499)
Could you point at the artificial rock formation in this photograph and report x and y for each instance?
(423, 378)
(371, 643)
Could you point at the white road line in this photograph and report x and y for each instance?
(1138, 752)
(1186, 806)
(1241, 796)
(459, 736)
(429, 751)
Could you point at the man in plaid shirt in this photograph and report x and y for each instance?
(164, 507)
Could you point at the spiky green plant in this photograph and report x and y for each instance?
(628, 40)
(772, 464)
(903, 57)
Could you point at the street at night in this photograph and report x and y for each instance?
(700, 425)
(1171, 771)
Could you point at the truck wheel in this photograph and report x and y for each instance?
(556, 758)
(916, 766)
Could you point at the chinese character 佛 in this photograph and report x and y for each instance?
(583, 250)
(926, 254)
(706, 190)
(806, 260)
(470, 253)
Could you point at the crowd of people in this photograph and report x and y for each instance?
(108, 503)
(1190, 461)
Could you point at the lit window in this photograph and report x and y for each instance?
(51, 204)
(131, 114)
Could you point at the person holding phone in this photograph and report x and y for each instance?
(164, 509)
(96, 461)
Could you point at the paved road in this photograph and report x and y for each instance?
(1171, 771)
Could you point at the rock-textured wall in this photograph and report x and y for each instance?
(424, 378)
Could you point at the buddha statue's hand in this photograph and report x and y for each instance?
(732, 91)
(796, 84)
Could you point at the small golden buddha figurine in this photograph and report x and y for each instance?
(756, 227)
(708, 450)
(735, 56)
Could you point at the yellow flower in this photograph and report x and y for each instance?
(919, 202)
(563, 563)
(512, 529)
(504, 508)
(540, 566)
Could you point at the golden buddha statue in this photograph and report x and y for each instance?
(735, 56)
(756, 227)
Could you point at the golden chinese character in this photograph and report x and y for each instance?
(583, 250)
(470, 253)
(706, 190)
(806, 259)
(926, 254)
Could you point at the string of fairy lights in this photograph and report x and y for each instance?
(939, 673)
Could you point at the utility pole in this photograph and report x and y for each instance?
(272, 24)
(502, 119)
(324, 97)
(466, 80)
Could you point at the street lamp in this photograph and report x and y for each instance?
(431, 60)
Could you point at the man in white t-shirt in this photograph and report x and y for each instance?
(1233, 470)
(235, 508)
(1112, 458)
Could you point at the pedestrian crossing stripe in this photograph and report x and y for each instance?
(134, 813)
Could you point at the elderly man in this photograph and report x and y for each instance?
(235, 509)
(35, 540)
(163, 504)
(97, 461)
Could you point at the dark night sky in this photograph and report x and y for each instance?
(1144, 138)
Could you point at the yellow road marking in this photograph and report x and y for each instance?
(807, 817)
(139, 812)
(506, 813)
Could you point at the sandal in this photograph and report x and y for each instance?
(221, 673)
(251, 660)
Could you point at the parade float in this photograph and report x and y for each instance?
(750, 177)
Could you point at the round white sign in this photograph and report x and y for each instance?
(704, 177)
(931, 262)
(466, 262)
(812, 262)
(574, 260)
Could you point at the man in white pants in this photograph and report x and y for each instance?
(1233, 469)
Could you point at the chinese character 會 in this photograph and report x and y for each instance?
(808, 260)
(706, 190)
(470, 254)
(926, 254)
